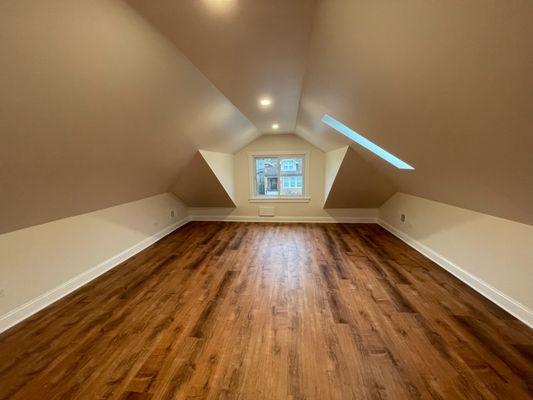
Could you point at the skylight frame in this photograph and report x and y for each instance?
(364, 142)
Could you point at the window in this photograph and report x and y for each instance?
(278, 177)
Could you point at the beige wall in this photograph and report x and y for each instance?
(37, 259)
(495, 250)
(198, 186)
(332, 162)
(222, 165)
(313, 208)
(280, 143)
(358, 184)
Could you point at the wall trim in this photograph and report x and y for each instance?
(33, 306)
(26, 310)
(513, 307)
(302, 219)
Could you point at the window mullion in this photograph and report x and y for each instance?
(279, 177)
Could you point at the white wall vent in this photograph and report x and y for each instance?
(266, 211)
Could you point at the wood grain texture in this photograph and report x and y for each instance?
(271, 311)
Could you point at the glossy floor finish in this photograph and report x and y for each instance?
(270, 311)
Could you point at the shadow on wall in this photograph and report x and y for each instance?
(143, 218)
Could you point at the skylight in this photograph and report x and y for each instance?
(367, 144)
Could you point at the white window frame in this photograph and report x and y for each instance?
(304, 198)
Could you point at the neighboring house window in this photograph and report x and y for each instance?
(288, 164)
(278, 176)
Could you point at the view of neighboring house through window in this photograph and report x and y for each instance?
(279, 176)
(288, 164)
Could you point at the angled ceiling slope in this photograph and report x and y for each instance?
(84, 126)
(445, 86)
(206, 181)
(351, 182)
(247, 49)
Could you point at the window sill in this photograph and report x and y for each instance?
(279, 199)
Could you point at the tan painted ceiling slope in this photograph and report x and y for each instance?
(356, 183)
(447, 86)
(100, 103)
(247, 48)
(97, 108)
(199, 186)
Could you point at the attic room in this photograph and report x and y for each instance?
(246, 199)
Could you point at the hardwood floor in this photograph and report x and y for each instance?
(271, 311)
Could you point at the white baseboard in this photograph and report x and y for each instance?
(24, 311)
(31, 307)
(250, 218)
(510, 305)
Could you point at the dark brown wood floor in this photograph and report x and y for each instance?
(270, 311)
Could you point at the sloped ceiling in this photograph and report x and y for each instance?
(247, 48)
(101, 104)
(356, 183)
(446, 86)
(199, 186)
(97, 108)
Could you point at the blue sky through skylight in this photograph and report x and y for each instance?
(367, 144)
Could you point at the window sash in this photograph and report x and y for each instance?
(295, 181)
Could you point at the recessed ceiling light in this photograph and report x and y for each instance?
(275, 126)
(265, 102)
(367, 144)
(220, 7)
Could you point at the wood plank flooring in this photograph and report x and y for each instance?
(270, 311)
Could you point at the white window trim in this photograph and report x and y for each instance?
(305, 198)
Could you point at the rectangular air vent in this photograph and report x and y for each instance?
(266, 211)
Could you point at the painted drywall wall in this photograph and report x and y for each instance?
(222, 165)
(198, 185)
(280, 142)
(40, 258)
(97, 108)
(358, 184)
(311, 209)
(332, 162)
(495, 250)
